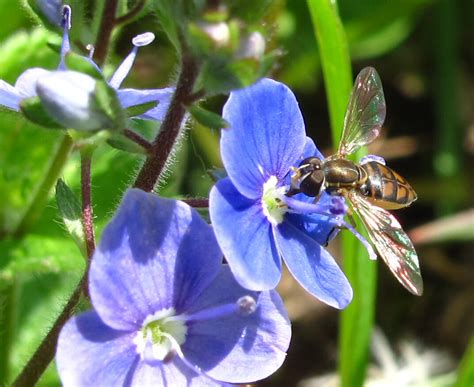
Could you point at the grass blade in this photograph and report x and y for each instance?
(357, 319)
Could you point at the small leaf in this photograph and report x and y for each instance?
(82, 64)
(71, 214)
(34, 110)
(108, 103)
(138, 110)
(208, 118)
(170, 16)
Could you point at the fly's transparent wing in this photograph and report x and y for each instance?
(365, 112)
(391, 242)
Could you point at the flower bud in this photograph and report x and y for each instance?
(70, 98)
(218, 32)
(48, 10)
(252, 46)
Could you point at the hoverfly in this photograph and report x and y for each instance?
(370, 187)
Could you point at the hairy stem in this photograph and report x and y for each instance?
(134, 11)
(105, 31)
(136, 138)
(87, 212)
(171, 126)
(40, 198)
(197, 202)
(45, 352)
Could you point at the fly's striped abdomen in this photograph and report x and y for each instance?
(386, 188)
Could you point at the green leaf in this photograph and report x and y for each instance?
(70, 210)
(170, 17)
(81, 64)
(138, 110)
(357, 319)
(108, 103)
(335, 59)
(121, 142)
(207, 118)
(34, 110)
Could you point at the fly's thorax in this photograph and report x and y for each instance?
(342, 173)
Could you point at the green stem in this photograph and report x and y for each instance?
(357, 319)
(40, 198)
(335, 60)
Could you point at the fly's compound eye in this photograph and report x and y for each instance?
(312, 176)
(312, 163)
(311, 183)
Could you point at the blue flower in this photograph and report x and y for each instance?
(166, 310)
(256, 225)
(54, 85)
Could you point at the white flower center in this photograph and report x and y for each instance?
(273, 204)
(159, 334)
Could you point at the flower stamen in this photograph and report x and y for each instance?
(274, 206)
(244, 306)
(153, 339)
(125, 67)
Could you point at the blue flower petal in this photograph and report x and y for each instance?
(312, 266)
(155, 253)
(266, 135)
(172, 373)
(238, 349)
(9, 96)
(26, 82)
(89, 352)
(245, 236)
(311, 150)
(133, 97)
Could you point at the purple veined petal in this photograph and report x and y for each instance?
(26, 82)
(133, 97)
(265, 138)
(236, 348)
(173, 373)
(312, 266)
(156, 253)
(9, 96)
(310, 149)
(124, 68)
(245, 236)
(318, 226)
(90, 352)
